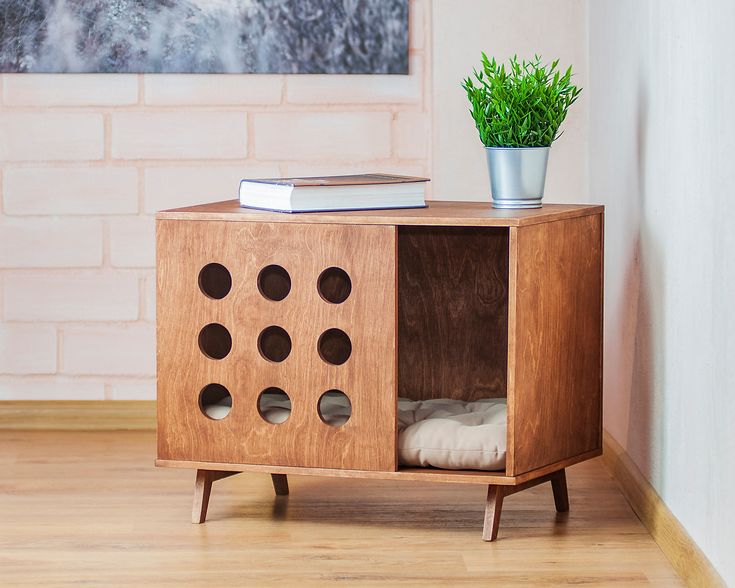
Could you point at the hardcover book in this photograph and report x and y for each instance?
(332, 193)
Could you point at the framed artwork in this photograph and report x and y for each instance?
(204, 36)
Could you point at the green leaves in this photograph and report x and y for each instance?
(521, 107)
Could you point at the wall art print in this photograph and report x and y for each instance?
(204, 36)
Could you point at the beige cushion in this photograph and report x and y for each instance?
(218, 410)
(452, 434)
(440, 433)
(274, 408)
(335, 409)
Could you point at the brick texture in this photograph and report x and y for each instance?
(315, 136)
(417, 24)
(133, 242)
(27, 349)
(95, 296)
(86, 161)
(412, 135)
(358, 89)
(179, 135)
(132, 389)
(46, 136)
(221, 90)
(70, 90)
(112, 350)
(72, 191)
(47, 243)
(53, 387)
(149, 298)
(172, 187)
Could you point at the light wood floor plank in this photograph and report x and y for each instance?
(90, 508)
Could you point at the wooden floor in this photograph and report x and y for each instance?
(90, 508)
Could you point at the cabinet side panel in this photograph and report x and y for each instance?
(452, 312)
(368, 377)
(555, 392)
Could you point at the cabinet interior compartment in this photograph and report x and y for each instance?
(452, 312)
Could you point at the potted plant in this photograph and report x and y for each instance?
(517, 113)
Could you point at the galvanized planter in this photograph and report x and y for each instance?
(517, 175)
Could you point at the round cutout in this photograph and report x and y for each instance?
(334, 285)
(334, 346)
(274, 405)
(215, 341)
(274, 343)
(274, 283)
(334, 408)
(215, 281)
(215, 401)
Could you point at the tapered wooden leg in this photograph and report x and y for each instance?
(493, 509)
(559, 487)
(202, 491)
(280, 484)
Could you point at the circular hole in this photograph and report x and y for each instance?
(334, 408)
(274, 405)
(215, 280)
(215, 341)
(274, 282)
(334, 285)
(274, 343)
(215, 401)
(334, 346)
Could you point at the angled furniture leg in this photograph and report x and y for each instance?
(559, 487)
(496, 494)
(493, 510)
(202, 491)
(280, 484)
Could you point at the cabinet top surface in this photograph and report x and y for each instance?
(437, 213)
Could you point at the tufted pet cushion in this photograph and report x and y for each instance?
(452, 434)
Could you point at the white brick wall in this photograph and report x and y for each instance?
(171, 187)
(27, 349)
(63, 296)
(220, 90)
(77, 191)
(300, 136)
(133, 242)
(179, 135)
(86, 160)
(410, 129)
(357, 89)
(123, 350)
(53, 387)
(46, 136)
(69, 90)
(50, 242)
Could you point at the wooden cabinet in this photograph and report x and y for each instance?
(456, 300)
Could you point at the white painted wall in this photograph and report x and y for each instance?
(652, 138)
(662, 144)
(462, 29)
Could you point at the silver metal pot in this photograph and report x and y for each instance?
(517, 175)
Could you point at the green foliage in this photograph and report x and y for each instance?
(521, 107)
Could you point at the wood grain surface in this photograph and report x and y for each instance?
(88, 509)
(78, 415)
(408, 474)
(555, 375)
(436, 213)
(368, 377)
(452, 312)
